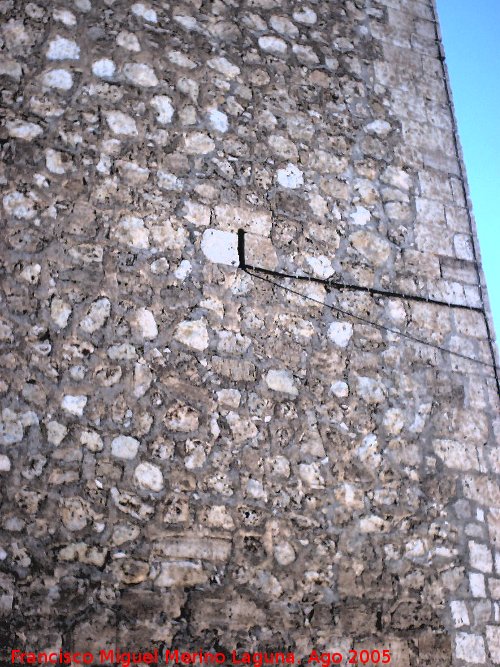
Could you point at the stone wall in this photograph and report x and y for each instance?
(192, 457)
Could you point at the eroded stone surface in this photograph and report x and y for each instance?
(194, 457)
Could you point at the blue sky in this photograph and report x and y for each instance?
(470, 31)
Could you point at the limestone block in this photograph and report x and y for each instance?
(493, 640)
(181, 573)
(201, 548)
(470, 648)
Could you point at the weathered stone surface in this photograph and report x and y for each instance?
(194, 455)
(181, 573)
(204, 548)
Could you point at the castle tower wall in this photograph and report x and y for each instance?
(199, 448)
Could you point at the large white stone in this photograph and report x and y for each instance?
(121, 123)
(92, 441)
(181, 60)
(340, 389)
(220, 247)
(96, 317)
(379, 127)
(74, 405)
(218, 516)
(394, 421)
(360, 216)
(31, 274)
(83, 5)
(149, 476)
(164, 107)
(229, 397)
(61, 48)
(187, 22)
(274, 45)
(284, 553)
(480, 557)
(4, 463)
(281, 380)
(127, 40)
(11, 430)
(340, 333)
(493, 637)
(181, 574)
(217, 120)
(160, 266)
(183, 270)
(144, 12)
(142, 378)
(470, 648)
(104, 68)
(284, 26)
(64, 16)
(58, 78)
(60, 312)
(56, 432)
(459, 613)
(140, 75)
(198, 143)
(54, 162)
(223, 66)
(124, 447)
(477, 585)
(283, 147)
(256, 490)
(305, 54)
(23, 130)
(372, 524)
(17, 204)
(197, 214)
(459, 455)
(132, 232)
(241, 429)
(168, 181)
(290, 177)
(196, 455)
(193, 334)
(144, 324)
(305, 15)
(321, 266)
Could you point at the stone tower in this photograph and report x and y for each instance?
(200, 455)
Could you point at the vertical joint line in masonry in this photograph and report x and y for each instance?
(241, 249)
(465, 188)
